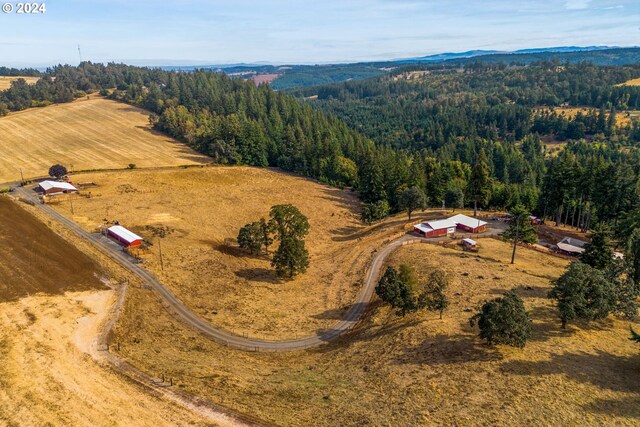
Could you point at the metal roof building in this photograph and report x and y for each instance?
(571, 246)
(51, 187)
(467, 223)
(438, 227)
(124, 236)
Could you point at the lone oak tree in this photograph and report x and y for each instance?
(57, 171)
(504, 321)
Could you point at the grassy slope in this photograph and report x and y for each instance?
(90, 134)
(206, 207)
(51, 306)
(417, 370)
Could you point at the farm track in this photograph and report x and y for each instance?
(350, 319)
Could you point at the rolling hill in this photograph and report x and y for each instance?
(92, 133)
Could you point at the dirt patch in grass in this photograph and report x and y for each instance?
(46, 377)
(89, 134)
(416, 370)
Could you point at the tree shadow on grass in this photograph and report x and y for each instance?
(366, 331)
(547, 325)
(333, 313)
(233, 250)
(625, 407)
(524, 291)
(259, 274)
(341, 198)
(444, 349)
(345, 234)
(605, 370)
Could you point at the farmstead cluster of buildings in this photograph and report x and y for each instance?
(444, 227)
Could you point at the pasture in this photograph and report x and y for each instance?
(203, 209)
(416, 370)
(5, 81)
(93, 133)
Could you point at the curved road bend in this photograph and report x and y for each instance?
(351, 317)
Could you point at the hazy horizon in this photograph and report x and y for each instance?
(199, 32)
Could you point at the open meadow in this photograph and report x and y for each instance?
(632, 82)
(52, 304)
(5, 81)
(94, 133)
(203, 209)
(623, 118)
(416, 370)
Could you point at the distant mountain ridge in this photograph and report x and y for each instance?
(441, 57)
(438, 57)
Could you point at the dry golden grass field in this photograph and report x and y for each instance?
(204, 207)
(623, 118)
(632, 82)
(89, 134)
(52, 305)
(5, 81)
(416, 370)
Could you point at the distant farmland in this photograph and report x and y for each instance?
(88, 134)
(632, 82)
(5, 81)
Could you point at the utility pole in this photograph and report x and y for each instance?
(21, 177)
(515, 241)
(71, 203)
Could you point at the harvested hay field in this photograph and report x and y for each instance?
(416, 370)
(89, 134)
(5, 81)
(34, 258)
(203, 209)
(52, 306)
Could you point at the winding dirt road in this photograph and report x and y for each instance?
(350, 319)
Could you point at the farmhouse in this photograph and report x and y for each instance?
(571, 246)
(124, 236)
(441, 227)
(468, 224)
(55, 187)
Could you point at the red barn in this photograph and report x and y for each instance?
(441, 227)
(124, 236)
(468, 224)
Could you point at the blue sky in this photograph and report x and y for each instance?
(319, 31)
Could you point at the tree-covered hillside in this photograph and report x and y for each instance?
(460, 136)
